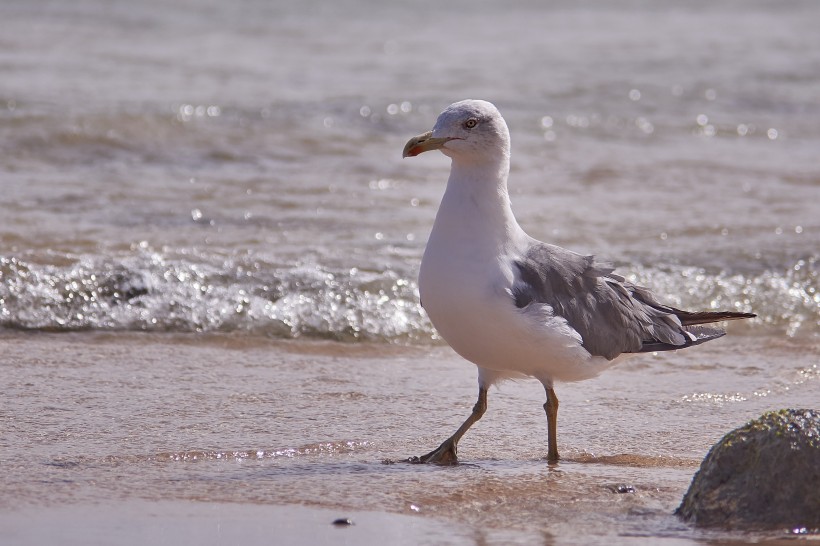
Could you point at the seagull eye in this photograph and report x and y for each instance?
(470, 123)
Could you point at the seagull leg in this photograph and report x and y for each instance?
(446, 452)
(551, 408)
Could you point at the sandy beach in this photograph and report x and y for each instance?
(277, 438)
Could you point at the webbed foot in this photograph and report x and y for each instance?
(445, 454)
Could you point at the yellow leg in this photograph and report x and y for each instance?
(446, 452)
(551, 408)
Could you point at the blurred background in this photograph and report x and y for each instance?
(236, 166)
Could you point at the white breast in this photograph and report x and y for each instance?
(465, 282)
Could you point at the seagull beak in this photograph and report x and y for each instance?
(423, 143)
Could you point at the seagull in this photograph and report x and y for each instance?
(517, 307)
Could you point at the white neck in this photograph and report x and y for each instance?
(475, 211)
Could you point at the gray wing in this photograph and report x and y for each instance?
(612, 315)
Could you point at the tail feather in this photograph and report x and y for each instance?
(696, 334)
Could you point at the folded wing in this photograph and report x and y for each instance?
(612, 315)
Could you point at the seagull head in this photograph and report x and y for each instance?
(469, 130)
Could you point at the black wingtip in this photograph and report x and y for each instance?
(698, 335)
(688, 318)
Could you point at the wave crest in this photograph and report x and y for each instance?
(190, 291)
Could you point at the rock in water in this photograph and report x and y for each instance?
(765, 475)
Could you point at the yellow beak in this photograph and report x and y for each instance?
(423, 143)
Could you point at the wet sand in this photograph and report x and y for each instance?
(138, 522)
(150, 435)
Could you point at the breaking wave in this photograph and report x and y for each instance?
(188, 291)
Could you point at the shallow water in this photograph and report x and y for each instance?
(209, 246)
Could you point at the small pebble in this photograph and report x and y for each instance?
(622, 488)
(342, 521)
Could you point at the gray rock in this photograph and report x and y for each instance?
(764, 475)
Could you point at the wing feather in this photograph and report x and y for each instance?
(612, 315)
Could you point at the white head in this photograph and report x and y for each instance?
(469, 130)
